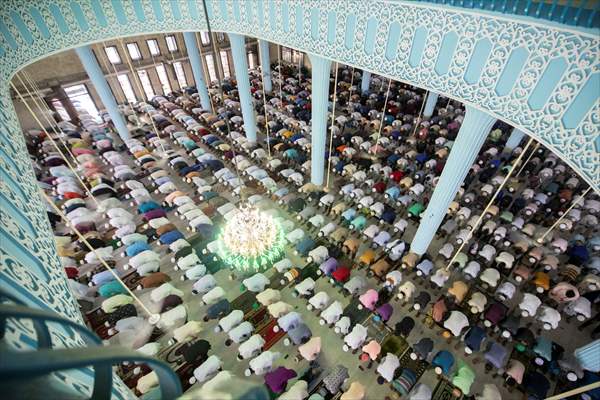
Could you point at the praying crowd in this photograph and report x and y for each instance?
(504, 303)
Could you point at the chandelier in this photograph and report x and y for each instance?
(251, 241)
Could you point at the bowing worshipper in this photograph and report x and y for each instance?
(288, 322)
(495, 357)
(256, 283)
(251, 347)
(420, 392)
(298, 335)
(277, 380)
(208, 369)
(335, 379)
(473, 339)
(495, 313)
(355, 338)
(490, 392)
(194, 352)
(204, 284)
(280, 308)
(370, 352)
(464, 377)
(356, 391)
(388, 366)
(456, 323)
(404, 327)
(268, 296)
(240, 333)
(536, 384)
(133, 332)
(354, 285)
(331, 314)
(443, 362)
(227, 323)
(421, 301)
(262, 364)
(318, 301)
(299, 391)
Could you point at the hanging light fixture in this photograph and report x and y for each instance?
(251, 241)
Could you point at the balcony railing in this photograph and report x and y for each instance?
(583, 13)
(21, 367)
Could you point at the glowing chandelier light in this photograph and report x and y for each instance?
(251, 241)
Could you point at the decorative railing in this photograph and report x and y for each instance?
(584, 13)
(20, 367)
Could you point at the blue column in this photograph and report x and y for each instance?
(265, 64)
(432, 99)
(194, 55)
(90, 64)
(514, 139)
(240, 63)
(365, 81)
(321, 68)
(471, 136)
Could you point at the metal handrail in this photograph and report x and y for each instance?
(25, 365)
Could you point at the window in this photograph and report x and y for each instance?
(146, 84)
(298, 56)
(286, 54)
(134, 51)
(153, 47)
(205, 38)
(291, 56)
(82, 101)
(125, 84)
(113, 54)
(60, 109)
(252, 60)
(220, 37)
(161, 71)
(180, 74)
(225, 64)
(210, 65)
(171, 43)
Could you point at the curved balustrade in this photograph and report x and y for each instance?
(584, 13)
(26, 365)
